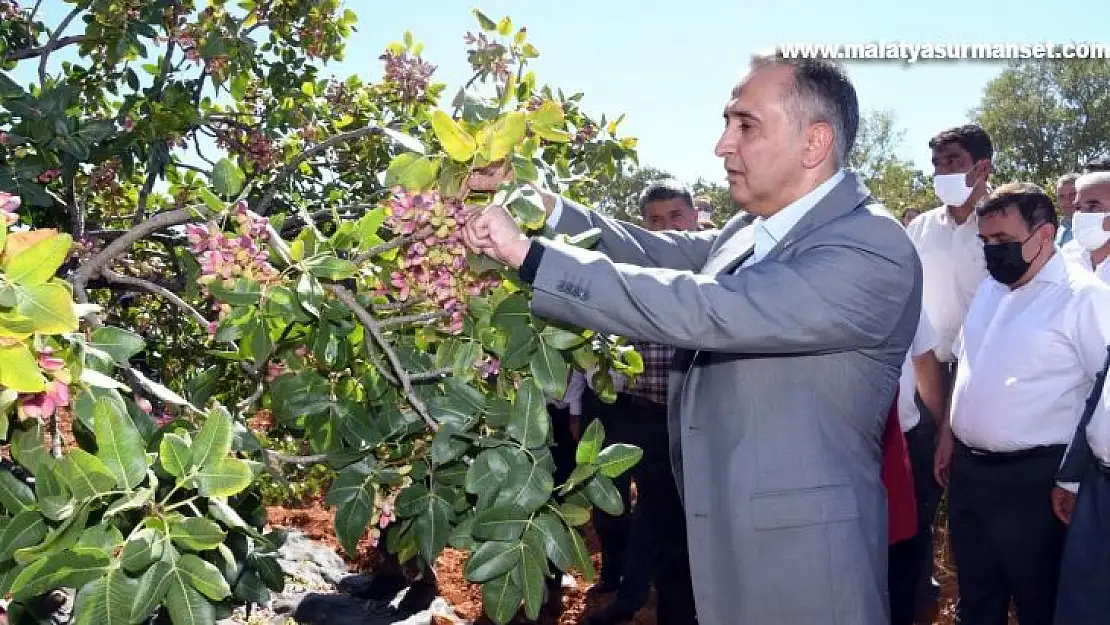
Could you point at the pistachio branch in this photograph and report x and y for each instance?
(418, 318)
(385, 247)
(53, 43)
(374, 327)
(146, 285)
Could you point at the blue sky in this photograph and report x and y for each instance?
(669, 65)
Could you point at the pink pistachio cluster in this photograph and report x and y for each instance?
(384, 512)
(42, 405)
(228, 257)
(411, 73)
(9, 204)
(49, 176)
(255, 146)
(488, 55)
(432, 267)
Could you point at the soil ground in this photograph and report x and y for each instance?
(466, 598)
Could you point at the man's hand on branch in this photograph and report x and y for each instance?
(493, 231)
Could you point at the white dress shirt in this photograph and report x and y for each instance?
(1098, 430)
(1028, 358)
(1083, 258)
(953, 267)
(924, 341)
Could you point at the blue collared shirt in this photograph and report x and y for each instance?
(769, 231)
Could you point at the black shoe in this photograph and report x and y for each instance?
(611, 615)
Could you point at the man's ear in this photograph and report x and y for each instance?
(819, 145)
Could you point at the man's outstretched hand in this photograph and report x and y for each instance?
(493, 231)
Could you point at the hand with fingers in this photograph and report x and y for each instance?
(492, 231)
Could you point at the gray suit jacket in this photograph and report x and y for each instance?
(785, 373)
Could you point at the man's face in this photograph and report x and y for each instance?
(950, 158)
(1065, 197)
(1094, 199)
(1007, 226)
(760, 145)
(672, 214)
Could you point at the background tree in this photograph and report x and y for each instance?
(1047, 117)
(617, 195)
(893, 180)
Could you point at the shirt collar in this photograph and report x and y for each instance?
(1055, 270)
(769, 231)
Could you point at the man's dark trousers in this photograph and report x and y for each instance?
(1006, 540)
(657, 549)
(1083, 597)
(910, 569)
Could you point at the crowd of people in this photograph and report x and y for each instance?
(819, 375)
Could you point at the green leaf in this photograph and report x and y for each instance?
(529, 485)
(227, 178)
(119, 445)
(501, 599)
(530, 422)
(432, 526)
(505, 522)
(19, 370)
(269, 571)
(521, 346)
(499, 138)
(352, 516)
(213, 442)
(25, 530)
(40, 262)
(556, 540)
(574, 515)
(104, 536)
(54, 497)
(412, 171)
(616, 459)
(558, 338)
(547, 122)
(243, 292)
(196, 534)
(205, 577)
(458, 143)
(330, 267)
(184, 603)
(121, 344)
(85, 474)
(505, 26)
(16, 496)
(73, 568)
(579, 475)
(152, 586)
(108, 600)
(62, 537)
(550, 371)
(589, 446)
(143, 549)
(174, 454)
(132, 501)
(491, 559)
(582, 560)
(485, 22)
(50, 305)
(223, 478)
(604, 495)
(512, 312)
(531, 573)
(486, 475)
(524, 169)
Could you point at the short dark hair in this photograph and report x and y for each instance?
(667, 189)
(1101, 163)
(822, 93)
(1032, 203)
(970, 137)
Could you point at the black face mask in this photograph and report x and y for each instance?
(1005, 262)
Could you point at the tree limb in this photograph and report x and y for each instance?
(34, 11)
(146, 285)
(290, 167)
(388, 245)
(53, 43)
(152, 171)
(374, 328)
(434, 374)
(30, 53)
(93, 267)
(419, 318)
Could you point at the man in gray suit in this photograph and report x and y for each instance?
(791, 332)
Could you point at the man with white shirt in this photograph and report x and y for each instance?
(790, 333)
(922, 380)
(1091, 244)
(1031, 346)
(947, 239)
(1065, 198)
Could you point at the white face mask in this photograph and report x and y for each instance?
(1087, 230)
(952, 188)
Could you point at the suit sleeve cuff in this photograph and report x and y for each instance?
(556, 213)
(531, 264)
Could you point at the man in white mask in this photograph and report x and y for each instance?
(947, 240)
(1091, 223)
